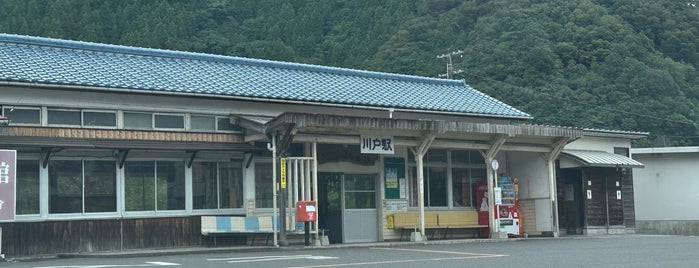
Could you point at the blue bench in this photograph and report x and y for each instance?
(214, 225)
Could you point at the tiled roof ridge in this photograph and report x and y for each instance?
(164, 53)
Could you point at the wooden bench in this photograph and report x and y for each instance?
(214, 225)
(450, 220)
(409, 221)
(435, 221)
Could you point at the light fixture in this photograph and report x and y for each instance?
(4, 121)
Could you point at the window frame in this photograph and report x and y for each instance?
(39, 109)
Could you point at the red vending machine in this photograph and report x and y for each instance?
(507, 214)
(482, 205)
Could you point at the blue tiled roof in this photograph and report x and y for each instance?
(63, 62)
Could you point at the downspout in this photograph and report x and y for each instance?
(273, 149)
(550, 162)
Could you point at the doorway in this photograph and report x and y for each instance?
(347, 207)
(571, 211)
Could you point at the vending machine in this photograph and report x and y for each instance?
(507, 213)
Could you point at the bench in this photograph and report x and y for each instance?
(213, 225)
(450, 220)
(434, 221)
(409, 221)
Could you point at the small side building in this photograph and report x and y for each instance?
(667, 190)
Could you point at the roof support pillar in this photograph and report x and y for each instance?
(489, 156)
(419, 152)
(550, 162)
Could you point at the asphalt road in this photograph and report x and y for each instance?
(607, 251)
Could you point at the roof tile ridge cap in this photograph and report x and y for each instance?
(156, 52)
(497, 100)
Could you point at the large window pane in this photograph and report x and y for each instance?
(360, 191)
(65, 186)
(61, 117)
(23, 115)
(200, 122)
(204, 185)
(169, 121)
(138, 120)
(27, 187)
(461, 187)
(170, 185)
(231, 184)
(263, 185)
(102, 119)
(437, 187)
(100, 186)
(139, 192)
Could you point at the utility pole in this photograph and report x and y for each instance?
(450, 68)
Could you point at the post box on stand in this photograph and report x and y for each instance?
(306, 212)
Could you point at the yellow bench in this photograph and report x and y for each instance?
(406, 221)
(443, 220)
(460, 220)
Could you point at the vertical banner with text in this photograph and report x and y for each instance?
(394, 172)
(8, 160)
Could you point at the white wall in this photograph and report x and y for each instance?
(531, 171)
(606, 144)
(668, 187)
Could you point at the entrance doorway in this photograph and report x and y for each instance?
(571, 211)
(347, 207)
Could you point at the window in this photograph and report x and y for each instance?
(100, 186)
(466, 168)
(217, 185)
(263, 185)
(138, 120)
(154, 185)
(27, 187)
(23, 115)
(621, 151)
(77, 186)
(169, 121)
(202, 122)
(360, 191)
(64, 117)
(139, 192)
(99, 119)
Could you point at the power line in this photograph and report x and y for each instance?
(450, 69)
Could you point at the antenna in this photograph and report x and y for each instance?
(450, 69)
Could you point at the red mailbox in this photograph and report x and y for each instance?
(306, 211)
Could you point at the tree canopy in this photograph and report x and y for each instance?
(606, 64)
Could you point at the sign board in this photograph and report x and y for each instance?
(282, 172)
(498, 195)
(8, 163)
(376, 144)
(394, 172)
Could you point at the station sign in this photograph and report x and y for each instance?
(377, 144)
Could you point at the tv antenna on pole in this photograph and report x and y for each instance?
(450, 68)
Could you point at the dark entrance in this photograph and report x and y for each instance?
(571, 208)
(330, 205)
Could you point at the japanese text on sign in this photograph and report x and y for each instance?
(282, 172)
(7, 184)
(377, 145)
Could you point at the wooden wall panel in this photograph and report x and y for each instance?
(55, 237)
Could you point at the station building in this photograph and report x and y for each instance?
(127, 148)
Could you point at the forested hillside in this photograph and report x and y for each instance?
(611, 64)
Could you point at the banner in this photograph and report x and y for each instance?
(8, 160)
